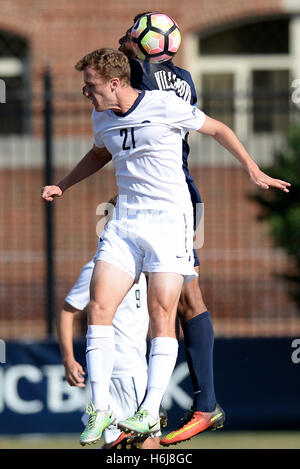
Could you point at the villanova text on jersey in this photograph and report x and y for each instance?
(166, 80)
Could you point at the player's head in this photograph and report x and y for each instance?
(125, 43)
(105, 71)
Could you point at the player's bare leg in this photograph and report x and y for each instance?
(109, 285)
(163, 296)
(199, 340)
(164, 291)
(191, 301)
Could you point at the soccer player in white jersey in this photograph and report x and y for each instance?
(152, 227)
(129, 375)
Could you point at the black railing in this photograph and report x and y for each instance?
(43, 246)
(49, 208)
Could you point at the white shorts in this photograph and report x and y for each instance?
(126, 394)
(150, 241)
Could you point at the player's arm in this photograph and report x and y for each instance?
(92, 162)
(64, 325)
(227, 138)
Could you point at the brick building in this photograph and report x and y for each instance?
(57, 32)
(243, 46)
(243, 57)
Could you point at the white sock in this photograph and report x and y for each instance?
(162, 360)
(100, 361)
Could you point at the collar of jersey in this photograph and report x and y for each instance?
(135, 104)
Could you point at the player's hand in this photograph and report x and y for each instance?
(264, 181)
(74, 374)
(50, 192)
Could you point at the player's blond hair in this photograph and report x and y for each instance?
(108, 63)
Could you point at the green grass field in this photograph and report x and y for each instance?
(218, 440)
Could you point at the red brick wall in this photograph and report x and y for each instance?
(239, 269)
(237, 261)
(61, 31)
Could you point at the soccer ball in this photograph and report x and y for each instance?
(155, 37)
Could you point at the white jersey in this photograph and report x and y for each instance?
(146, 148)
(130, 323)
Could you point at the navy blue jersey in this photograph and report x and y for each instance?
(166, 76)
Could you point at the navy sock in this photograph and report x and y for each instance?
(199, 343)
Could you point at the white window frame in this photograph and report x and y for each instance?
(241, 66)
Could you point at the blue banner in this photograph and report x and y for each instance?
(257, 383)
(35, 397)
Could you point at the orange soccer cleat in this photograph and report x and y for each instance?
(194, 423)
(124, 441)
(128, 441)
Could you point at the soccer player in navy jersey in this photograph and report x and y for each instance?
(194, 316)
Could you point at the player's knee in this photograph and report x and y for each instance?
(158, 314)
(191, 303)
(99, 313)
(159, 320)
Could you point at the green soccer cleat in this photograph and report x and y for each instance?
(142, 423)
(98, 421)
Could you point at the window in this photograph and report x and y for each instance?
(261, 37)
(217, 96)
(270, 100)
(244, 75)
(15, 113)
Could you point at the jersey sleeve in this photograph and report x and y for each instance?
(182, 115)
(97, 136)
